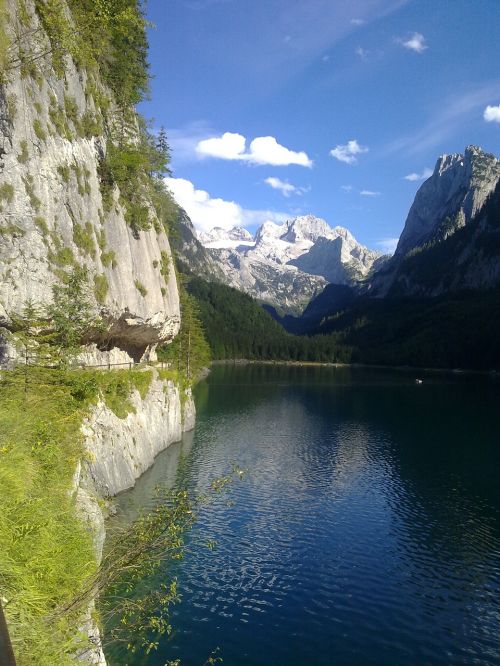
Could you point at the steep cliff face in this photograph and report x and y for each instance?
(446, 244)
(450, 198)
(59, 209)
(120, 450)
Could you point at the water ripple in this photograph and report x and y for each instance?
(366, 532)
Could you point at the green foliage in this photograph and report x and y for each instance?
(11, 104)
(48, 573)
(71, 312)
(6, 192)
(4, 42)
(189, 352)
(140, 288)
(126, 167)
(136, 605)
(23, 156)
(39, 130)
(117, 386)
(83, 237)
(90, 126)
(29, 186)
(453, 331)
(165, 265)
(64, 171)
(63, 256)
(58, 119)
(41, 223)
(101, 287)
(109, 259)
(104, 35)
(71, 109)
(11, 230)
(138, 169)
(237, 327)
(46, 553)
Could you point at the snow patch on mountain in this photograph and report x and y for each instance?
(287, 264)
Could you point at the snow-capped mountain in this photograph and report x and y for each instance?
(288, 264)
(222, 238)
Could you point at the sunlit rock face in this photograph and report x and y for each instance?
(121, 449)
(452, 200)
(52, 213)
(285, 264)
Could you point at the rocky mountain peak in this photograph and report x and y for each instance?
(305, 227)
(220, 234)
(449, 199)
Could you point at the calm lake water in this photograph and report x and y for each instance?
(366, 530)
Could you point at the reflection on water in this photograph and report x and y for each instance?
(366, 530)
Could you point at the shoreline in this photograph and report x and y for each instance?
(326, 364)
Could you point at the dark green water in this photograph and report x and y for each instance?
(365, 532)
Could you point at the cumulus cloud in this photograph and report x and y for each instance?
(388, 245)
(348, 152)
(284, 187)
(369, 193)
(412, 177)
(492, 114)
(229, 146)
(346, 188)
(262, 150)
(415, 43)
(207, 212)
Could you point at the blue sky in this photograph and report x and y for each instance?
(276, 108)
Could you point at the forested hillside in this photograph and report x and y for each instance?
(236, 326)
(458, 332)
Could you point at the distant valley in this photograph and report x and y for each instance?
(443, 280)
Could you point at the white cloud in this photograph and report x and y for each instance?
(348, 152)
(362, 53)
(207, 212)
(266, 150)
(388, 245)
(369, 193)
(415, 43)
(262, 150)
(357, 21)
(413, 177)
(229, 146)
(284, 187)
(346, 188)
(492, 114)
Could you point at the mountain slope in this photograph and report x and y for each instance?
(286, 265)
(80, 178)
(447, 204)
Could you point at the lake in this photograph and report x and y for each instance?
(365, 530)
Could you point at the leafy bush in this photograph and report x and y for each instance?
(101, 287)
(84, 238)
(141, 288)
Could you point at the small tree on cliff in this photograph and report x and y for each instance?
(72, 314)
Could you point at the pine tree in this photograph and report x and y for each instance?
(72, 313)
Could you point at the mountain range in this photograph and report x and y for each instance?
(284, 265)
(449, 243)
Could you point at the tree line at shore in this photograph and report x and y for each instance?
(457, 331)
